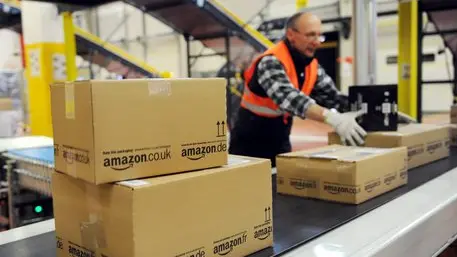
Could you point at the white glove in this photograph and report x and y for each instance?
(346, 126)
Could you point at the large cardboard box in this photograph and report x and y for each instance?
(107, 131)
(426, 142)
(6, 104)
(454, 114)
(225, 211)
(342, 173)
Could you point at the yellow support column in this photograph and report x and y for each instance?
(70, 46)
(46, 62)
(300, 4)
(407, 57)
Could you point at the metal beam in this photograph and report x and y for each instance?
(454, 89)
(440, 32)
(207, 55)
(189, 66)
(165, 5)
(446, 81)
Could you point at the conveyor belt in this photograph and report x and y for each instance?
(90, 47)
(296, 220)
(42, 155)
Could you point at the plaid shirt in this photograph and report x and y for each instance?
(274, 80)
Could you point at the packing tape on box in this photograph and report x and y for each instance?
(92, 231)
(70, 101)
(159, 88)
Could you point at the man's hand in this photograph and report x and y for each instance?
(346, 126)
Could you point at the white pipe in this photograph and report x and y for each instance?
(361, 42)
(372, 39)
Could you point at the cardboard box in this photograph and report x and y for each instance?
(107, 131)
(214, 212)
(426, 142)
(6, 104)
(454, 114)
(453, 134)
(379, 102)
(341, 173)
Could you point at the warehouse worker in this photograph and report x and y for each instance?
(287, 81)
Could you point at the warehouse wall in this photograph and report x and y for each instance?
(9, 57)
(166, 50)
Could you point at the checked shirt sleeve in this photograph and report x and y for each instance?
(326, 94)
(274, 80)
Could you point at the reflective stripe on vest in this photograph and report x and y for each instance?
(264, 106)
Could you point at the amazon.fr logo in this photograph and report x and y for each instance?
(227, 245)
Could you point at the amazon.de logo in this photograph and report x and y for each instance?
(196, 153)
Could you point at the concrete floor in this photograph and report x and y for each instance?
(308, 134)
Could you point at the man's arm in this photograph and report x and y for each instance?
(326, 94)
(273, 79)
(275, 82)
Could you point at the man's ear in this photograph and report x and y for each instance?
(289, 34)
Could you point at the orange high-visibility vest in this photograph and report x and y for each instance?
(264, 106)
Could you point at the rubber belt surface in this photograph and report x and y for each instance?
(296, 220)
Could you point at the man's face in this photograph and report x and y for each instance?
(306, 35)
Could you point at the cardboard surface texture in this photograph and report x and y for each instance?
(380, 105)
(341, 173)
(425, 142)
(214, 212)
(454, 114)
(453, 134)
(6, 104)
(108, 131)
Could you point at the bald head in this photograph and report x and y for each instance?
(303, 30)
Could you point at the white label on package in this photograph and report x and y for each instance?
(159, 88)
(365, 108)
(236, 161)
(386, 108)
(325, 154)
(133, 183)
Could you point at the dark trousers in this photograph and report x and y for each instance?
(259, 148)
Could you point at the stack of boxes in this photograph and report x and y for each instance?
(142, 169)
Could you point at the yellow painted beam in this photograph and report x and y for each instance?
(119, 52)
(255, 33)
(40, 59)
(70, 46)
(407, 57)
(300, 4)
(110, 47)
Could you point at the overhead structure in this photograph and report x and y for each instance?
(10, 17)
(205, 20)
(211, 24)
(443, 15)
(90, 47)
